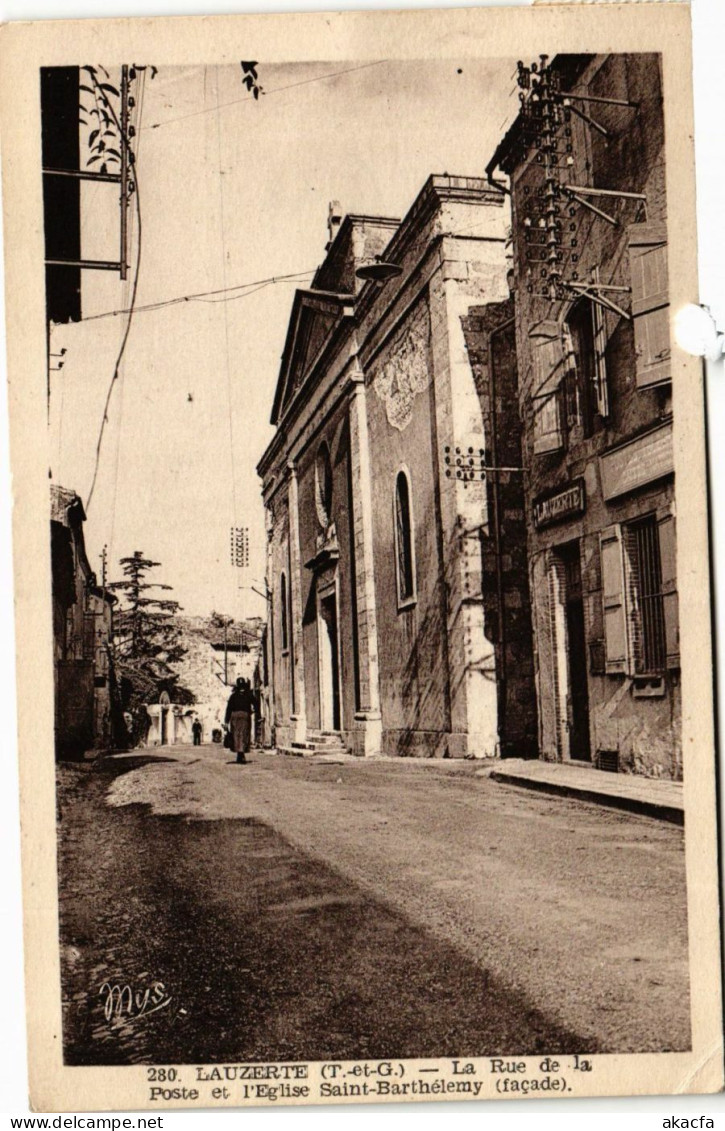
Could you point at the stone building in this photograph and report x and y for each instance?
(214, 658)
(383, 524)
(82, 628)
(586, 164)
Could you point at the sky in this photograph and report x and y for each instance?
(233, 191)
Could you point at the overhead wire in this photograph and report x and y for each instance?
(247, 294)
(265, 93)
(132, 309)
(230, 410)
(132, 304)
(207, 296)
(201, 296)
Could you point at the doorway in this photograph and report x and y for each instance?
(329, 664)
(576, 647)
(164, 712)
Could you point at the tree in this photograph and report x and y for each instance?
(147, 638)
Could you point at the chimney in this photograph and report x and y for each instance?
(334, 219)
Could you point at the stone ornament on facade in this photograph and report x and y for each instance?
(323, 486)
(406, 373)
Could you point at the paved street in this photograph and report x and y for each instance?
(297, 909)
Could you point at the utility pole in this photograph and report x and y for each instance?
(124, 171)
(104, 568)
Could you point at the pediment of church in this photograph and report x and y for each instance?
(315, 315)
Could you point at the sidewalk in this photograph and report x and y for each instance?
(649, 796)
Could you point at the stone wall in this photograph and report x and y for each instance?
(491, 342)
(632, 723)
(414, 672)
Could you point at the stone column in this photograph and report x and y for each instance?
(368, 719)
(297, 674)
(459, 426)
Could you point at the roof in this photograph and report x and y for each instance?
(98, 591)
(314, 314)
(66, 509)
(61, 500)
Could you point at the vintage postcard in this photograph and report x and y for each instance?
(361, 555)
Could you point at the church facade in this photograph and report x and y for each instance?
(397, 576)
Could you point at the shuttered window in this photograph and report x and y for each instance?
(668, 565)
(601, 388)
(639, 596)
(548, 371)
(648, 621)
(89, 636)
(572, 355)
(616, 654)
(650, 303)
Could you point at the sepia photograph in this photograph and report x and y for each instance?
(375, 517)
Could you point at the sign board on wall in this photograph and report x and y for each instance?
(561, 506)
(638, 462)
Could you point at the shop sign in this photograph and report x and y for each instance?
(638, 462)
(564, 505)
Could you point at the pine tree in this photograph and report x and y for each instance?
(147, 638)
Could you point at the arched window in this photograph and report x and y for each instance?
(404, 541)
(283, 612)
(323, 485)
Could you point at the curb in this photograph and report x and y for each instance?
(671, 813)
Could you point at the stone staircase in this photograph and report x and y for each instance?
(318, 742)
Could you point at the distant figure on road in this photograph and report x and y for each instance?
(196, 731)
(239, 718)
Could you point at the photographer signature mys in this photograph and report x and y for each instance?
(129, 1004)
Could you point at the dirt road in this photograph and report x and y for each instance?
(363, 909)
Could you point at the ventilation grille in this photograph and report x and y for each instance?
(608, 760)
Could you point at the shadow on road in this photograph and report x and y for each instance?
(264, 952)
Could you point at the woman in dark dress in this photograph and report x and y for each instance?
(239, 718)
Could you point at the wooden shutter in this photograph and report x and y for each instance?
(570, 381)
(599, 329)
(650, 303)
(668, 565)
(89, 636)
(616, 651)
(548, 370)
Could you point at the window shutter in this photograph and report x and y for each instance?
(616, 658)
(570, 378)
(601, 392)
(548, 366)
(668, 563)
(650, 303)
(89, 636)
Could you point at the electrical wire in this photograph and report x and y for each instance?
(132, 304)
(138, 114)
(201, 296)
(226, 318)
(231, 298)
(265, 93)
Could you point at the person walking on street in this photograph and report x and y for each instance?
(239, 718)
(196, 732)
